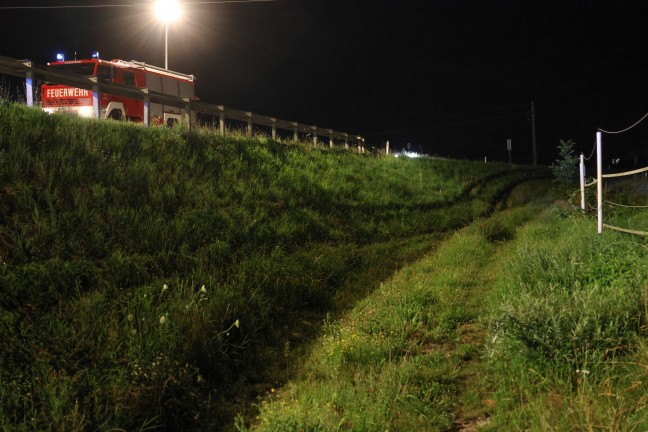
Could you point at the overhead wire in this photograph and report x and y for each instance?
(129, 5)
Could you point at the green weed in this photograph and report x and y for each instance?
(98, 217)
(568, 329)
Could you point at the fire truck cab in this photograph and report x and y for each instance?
(66, 99)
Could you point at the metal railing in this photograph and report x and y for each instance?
(32, 73)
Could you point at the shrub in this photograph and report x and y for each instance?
(565, 169)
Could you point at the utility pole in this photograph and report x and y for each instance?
(508, 147)
(533, 134)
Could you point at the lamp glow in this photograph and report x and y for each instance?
(167, 10)
(60, 57)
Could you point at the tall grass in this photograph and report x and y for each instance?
(400, 359)
(569, 329)
(151, 278)
(527, 320)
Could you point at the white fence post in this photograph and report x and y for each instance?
(582, 180)
(249, 124)
(29, 84)
(147, 107)
(274, 129)
(95, 98)
(599, 181)
(187, 112)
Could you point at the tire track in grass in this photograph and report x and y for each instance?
(407, 357)
(474, 404)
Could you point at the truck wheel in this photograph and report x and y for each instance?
(116, 115)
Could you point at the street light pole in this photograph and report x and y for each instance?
(166, 45)
(167, 11)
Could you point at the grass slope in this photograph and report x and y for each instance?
(569, 328)
(528, 320)
(400, 360)
(158, 279)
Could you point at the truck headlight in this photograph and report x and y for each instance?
(85, 111)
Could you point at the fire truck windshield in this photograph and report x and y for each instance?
(86, 69)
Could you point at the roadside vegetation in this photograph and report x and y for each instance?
(164, 279)
(568, 328)
(167, 279)
(400, 359)
(527, 320)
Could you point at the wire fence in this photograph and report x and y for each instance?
(599, 182)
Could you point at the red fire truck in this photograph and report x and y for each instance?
(61, 98)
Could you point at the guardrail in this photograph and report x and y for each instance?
(31, 72)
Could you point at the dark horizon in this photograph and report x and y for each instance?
(454, 78)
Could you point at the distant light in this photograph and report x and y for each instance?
(60, 57)
(412, 155)
(167, 10)
(95, 54)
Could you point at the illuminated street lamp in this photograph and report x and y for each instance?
(167, 11)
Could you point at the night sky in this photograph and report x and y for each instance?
(448, 77)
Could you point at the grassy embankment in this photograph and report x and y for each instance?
(161, 278)
(528, 320)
